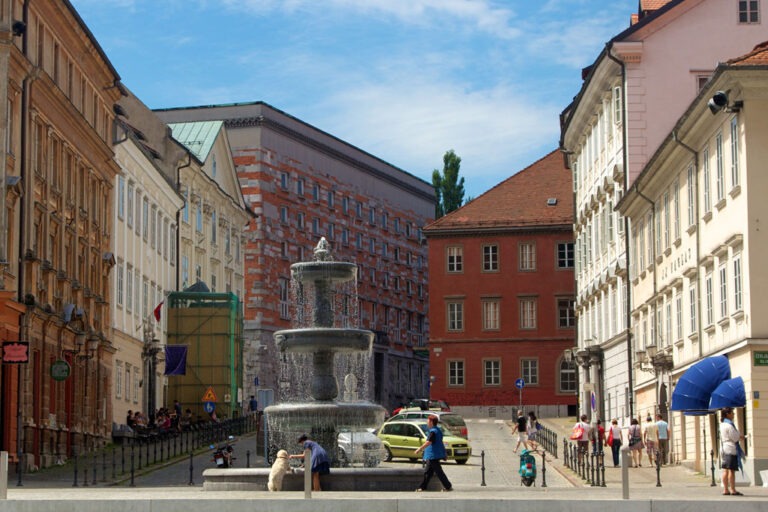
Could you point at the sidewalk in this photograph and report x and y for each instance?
(672, 476)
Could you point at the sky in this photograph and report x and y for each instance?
(405, 80)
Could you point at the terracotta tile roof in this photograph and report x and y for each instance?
(519, 201)
(757, 57)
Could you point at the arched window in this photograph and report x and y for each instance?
(567, 376)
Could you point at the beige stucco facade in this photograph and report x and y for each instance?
(146, 204)
(696, 251)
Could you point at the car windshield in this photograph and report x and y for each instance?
(425, 428)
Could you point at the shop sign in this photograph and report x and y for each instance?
(761, 358)
(60, 370)
(15, 352)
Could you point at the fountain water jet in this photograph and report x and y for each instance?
(322, 418)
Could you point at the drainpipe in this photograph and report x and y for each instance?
(627, 287)
(178, 221)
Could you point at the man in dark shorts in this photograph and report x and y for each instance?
(318, 460)
(520, 428)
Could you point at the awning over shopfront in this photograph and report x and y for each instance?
(730, 393)
(694, 388)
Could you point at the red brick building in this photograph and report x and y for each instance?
(501, 296)
(304, 183)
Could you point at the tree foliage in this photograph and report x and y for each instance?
(449, 188)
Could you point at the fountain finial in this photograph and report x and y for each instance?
(323, 250)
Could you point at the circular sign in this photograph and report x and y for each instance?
(209, 407)
(519, 383)
(60, 370)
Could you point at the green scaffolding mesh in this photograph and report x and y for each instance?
(211, 326)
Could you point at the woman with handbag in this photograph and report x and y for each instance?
(615, 439)
(635, 436)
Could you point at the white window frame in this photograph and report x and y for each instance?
(492, 372)
(529, 371)
(720, 167)
(456, 377)
(692, 307)
(528, 310)
(565, 255)
(490, 258)
(454, 259)
(566, 368)
(527, 256)
(738, 304)
(691, 196)
(708, 293)
(748, 11)
(491, 310)
(120, 197)
(119, 287)
(734, 126)
(455, 316)
(723, 274)
(706, 178)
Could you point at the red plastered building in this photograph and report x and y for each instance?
(501, 297)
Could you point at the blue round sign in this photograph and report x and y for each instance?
(209, 407)
(519, 383)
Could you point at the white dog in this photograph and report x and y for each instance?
(280, 468)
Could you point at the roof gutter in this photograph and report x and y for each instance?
(627, 288)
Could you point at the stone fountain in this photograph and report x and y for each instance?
(323, 417)
(309, 354)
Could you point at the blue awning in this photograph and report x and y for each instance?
(729, 393)
(695, 387)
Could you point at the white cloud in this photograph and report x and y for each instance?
(485, 15)
(412, 122)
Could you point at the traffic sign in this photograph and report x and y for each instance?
(592, 399)
(209, 395)
(209, 407)
(519, 383)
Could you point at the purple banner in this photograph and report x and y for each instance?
(175, 360)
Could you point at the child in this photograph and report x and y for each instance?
(280, 468)
(319, 460)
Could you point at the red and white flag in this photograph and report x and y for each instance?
(157, 310)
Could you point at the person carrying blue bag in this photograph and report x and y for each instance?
(434, 452)
(731, 452)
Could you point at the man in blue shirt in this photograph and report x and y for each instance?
(318, 460)
(663, 427)
(434, 451)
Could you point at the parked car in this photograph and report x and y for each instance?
(401, 438)
(360, 447)
(450, 420)
(425, 404)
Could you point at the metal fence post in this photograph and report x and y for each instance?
(482, 468)
(247, 458)
(544, 468)
(658, 469)
(75, 457)
(191, 467)
(104, 465)
(139, 467)
(114, 455)
(602, 465)
(132, 484)
(95, 466)
(712, 459)
(591, 475)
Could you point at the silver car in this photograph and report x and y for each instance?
(360, 448)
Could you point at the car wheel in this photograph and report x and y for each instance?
(414, 460)
(461, 461)
(388, 456)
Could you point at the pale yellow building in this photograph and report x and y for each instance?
(146, 203)
(696, 259)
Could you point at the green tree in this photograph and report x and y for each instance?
(449, 188)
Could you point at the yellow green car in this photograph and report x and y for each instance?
(400, 438)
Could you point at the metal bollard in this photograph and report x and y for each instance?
(132, 484)
(75, 483)
(3, 475)
(543, 468)
(307, 474)
(712, 458)
(602, 465)
(658, 469)
(247, 458)
(591, 476)
(482, 468)
(191, 468)
(624, 472)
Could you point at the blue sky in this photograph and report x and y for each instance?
(405, 80)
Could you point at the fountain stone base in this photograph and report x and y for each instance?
(321, 421)
(341, 479)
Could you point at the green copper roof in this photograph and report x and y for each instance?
(197, 136)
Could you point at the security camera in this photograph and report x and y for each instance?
(718, 102)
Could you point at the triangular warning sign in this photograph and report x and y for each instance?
(209, 395)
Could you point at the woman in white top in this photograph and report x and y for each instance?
(616, 441)
(730, 453)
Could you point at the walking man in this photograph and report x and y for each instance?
(520, 428)
(651, 438)
(434, 451)
(663, 427)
